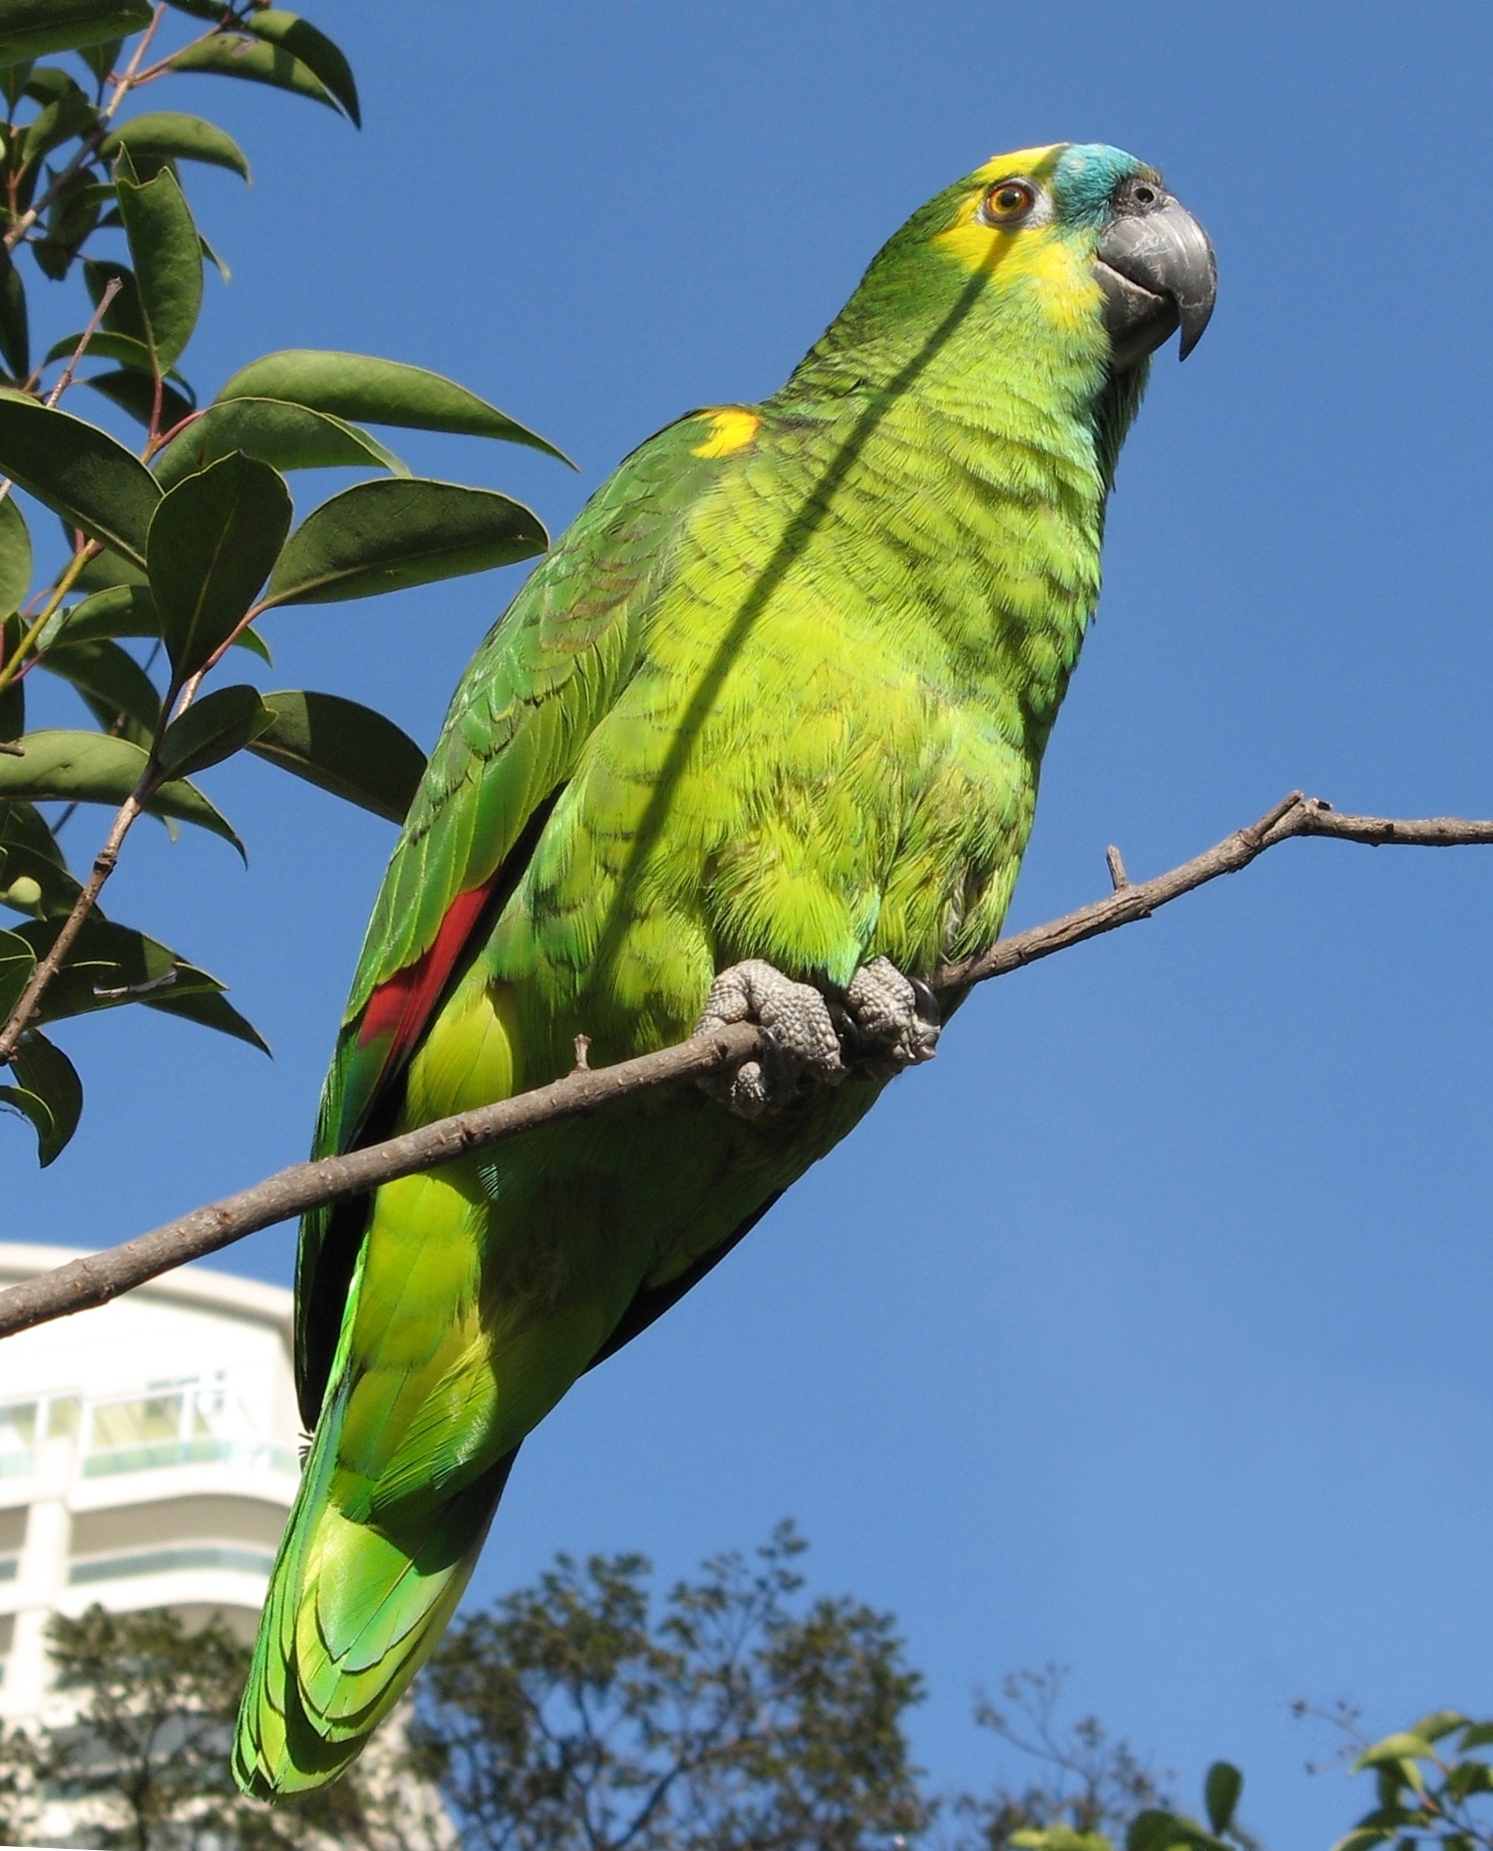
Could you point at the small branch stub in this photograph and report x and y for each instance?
(1114, 862)
(582, 1054)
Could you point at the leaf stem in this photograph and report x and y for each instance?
(104, 865)
(59, 591)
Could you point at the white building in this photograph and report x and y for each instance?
(147, 1458)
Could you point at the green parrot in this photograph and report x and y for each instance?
(759, 739)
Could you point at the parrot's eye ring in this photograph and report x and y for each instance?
(1008, 202)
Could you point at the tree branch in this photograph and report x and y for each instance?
(97, 1278)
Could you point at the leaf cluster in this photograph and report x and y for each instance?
(1435, 1787)
(171, 553)
(577, 1715)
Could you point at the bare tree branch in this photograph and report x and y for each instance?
(94, 1280)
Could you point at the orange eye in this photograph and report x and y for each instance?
(1008, 202)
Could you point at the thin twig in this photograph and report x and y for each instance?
(100, 309)
(59, 591)
(96, 1279)
(103, 866)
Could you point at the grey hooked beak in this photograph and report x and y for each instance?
(1157, 271)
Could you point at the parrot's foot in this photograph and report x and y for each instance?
(894, 1021)
(803, 1045)
(884, 1022)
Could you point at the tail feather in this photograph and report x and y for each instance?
(352, 1614)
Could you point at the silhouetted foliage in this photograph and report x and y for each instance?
(581, 1715)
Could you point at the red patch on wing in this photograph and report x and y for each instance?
(400, 1007)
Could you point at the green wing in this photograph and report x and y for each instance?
(547, 672)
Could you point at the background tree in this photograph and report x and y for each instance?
(580, 1715)
(140, 1752)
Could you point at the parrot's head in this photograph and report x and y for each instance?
(1073, 257)
(1085, 233)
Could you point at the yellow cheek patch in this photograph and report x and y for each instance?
(731, 429)
(1037, 254)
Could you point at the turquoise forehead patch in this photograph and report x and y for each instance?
(1087, 174)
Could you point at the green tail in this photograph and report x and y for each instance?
(354, 1610)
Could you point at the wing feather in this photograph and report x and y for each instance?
(546, 673)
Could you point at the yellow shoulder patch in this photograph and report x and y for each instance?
(732, 428)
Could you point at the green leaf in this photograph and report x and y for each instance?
(344, 748)
(1469, 1777)
(314, 49)
(233, 54)
(13, 80)
(72, 218)
(71, 113)
(371, 391)
(15, 557)
(216, 261)
(213, 728)
(32, 28)
(166, 135)
(120, 726)
(1362, 1839)
(104, 345)
(68, 767)
(167, 255)
(15, 335)
(213, 540)
(78, 471)
(1439, 1723)
(56, 889)
(13, 697)
(1221, 1789)
(22, 825)
(287, 436)
(13, 710)
(123, 610)
(30, 1106)
(106, 570)
(1402, 1747)
(1479, 1735)
(385, 535)
(17, 961)
(113, 677)
(112, 965)
(47, 1074)
(209, 1009)
(100, 58)
(135, 393)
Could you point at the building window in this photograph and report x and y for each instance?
(184, 1423)
(17, 1440)
(62, 1417)
(172, 1561)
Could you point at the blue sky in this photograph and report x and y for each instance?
(1147, 1329)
